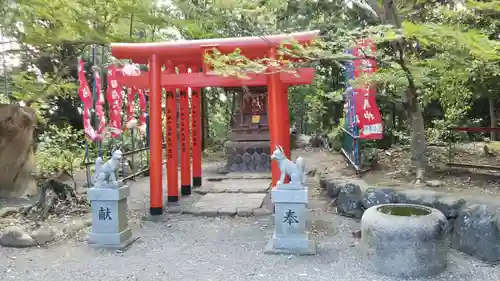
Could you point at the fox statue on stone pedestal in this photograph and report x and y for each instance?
(287, 167)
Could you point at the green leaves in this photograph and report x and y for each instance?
(59, 149)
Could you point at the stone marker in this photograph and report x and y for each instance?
(108, 198)
(291, 214)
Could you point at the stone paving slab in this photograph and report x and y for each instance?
(238, 176)
(234, 186)
(229, 204)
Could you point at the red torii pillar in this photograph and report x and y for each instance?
(171, 139)
(185, 138)
(279, 116)
(155, 131)
(196, 132)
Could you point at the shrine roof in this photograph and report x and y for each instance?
(190, 52)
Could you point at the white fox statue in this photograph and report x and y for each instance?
(106, 173)
(287, 167)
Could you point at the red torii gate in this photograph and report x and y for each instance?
(190, 54)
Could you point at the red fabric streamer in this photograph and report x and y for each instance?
(100, 105)
(133, 70)
(114, 96)
(143, 108)
(131, 121)
(86, 97)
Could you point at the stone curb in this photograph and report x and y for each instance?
(205, 190)
(469, 217)
(239, 177)
(229, 212)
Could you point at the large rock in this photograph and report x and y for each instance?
(43, 235)
(373, 197)
(14, 236)
(417, 197)
(8, 211)
(476, 232)
(16, 155)
(350, 201)
(449, 205)
(332, 186)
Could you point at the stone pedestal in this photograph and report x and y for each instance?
(109, 217)
(291, 215)
(248, 156)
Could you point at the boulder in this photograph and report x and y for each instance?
(14, 236)
(350, 201)
(449, 205)
(373, 197)
(16, 154)
(476, 231)
(417, 197)
(332, 186)
(8, 211)
(43, 235)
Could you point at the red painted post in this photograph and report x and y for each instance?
(155, 166)
(185, 139)
(196, 132)
(285, 124)
(172, 155)
(275, 114)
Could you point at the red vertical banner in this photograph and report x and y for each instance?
(143, 108)
(196, 135)
(185, 139)
(114, 96)
(99, 108)
(172, 154)
(131, 121)
(86, 97)
(369, 119)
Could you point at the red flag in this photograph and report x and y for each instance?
(86, 97)
(134, 70)
(114, 97)
(142, 108)
(100, 104)
(368, 114)
(131, 121)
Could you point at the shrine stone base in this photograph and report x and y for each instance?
(109, 217)
(290, 219)
(248, 156)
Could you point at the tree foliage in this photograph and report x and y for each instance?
(438, 62)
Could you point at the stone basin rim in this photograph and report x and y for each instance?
(427, 210)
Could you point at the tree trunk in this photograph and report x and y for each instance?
(493, 117)
(418, 141)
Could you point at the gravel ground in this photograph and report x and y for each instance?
(206, 249)
(191, 248)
